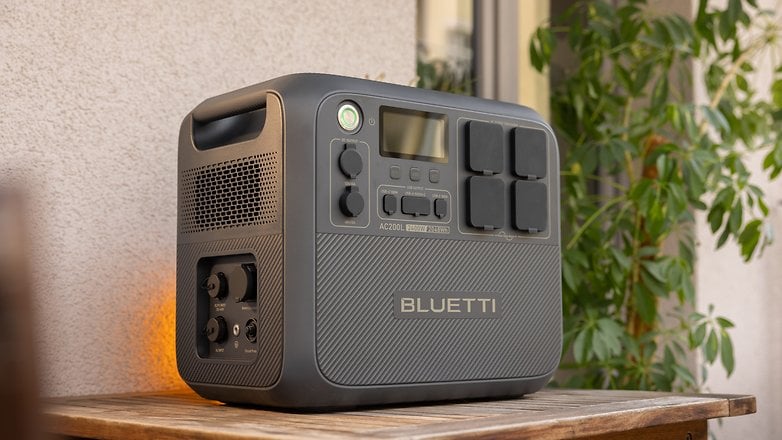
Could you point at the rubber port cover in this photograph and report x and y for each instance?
(484, 147)
(530, 200)
(486, 205)
(529, 153)
(350, 162)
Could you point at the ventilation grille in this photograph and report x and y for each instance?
(240, 192)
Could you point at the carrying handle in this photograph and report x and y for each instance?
(230, 104)
(230, 118)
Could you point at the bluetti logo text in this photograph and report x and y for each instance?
(441, 305)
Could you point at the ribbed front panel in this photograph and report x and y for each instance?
(359, 341)
(265, 370)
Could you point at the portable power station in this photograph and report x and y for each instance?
(348, 242)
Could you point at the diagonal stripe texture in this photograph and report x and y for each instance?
(359, 342)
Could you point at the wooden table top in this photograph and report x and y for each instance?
(548, 414)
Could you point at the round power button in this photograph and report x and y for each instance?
(349, 117)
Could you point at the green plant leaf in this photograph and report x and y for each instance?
(749, 238)
(659, 93)
(715, 217)
(697, 316)
(599, 346)
(580, 347)
(688, 289)
(726, 354)
(724, 322)
(735, 218)
(776, 93)
(611, 334)
(569, 277)
(646, 303)
(540, 48)
(623, 260)
(742, 83)
(656, 269)
(723, 238)
(697, 337)
(716, 118)
(712, 346)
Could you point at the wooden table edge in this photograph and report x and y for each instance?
(653, 409)
(570, 422)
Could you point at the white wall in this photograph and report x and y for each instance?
(750, 295)
(91, 97)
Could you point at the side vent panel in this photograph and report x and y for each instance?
(239, 192)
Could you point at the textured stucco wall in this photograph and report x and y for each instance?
(750, 295)
(92, 95)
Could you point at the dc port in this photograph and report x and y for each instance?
(251, 330)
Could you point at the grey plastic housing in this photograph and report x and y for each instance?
(328, 334)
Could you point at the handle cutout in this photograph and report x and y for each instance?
(229, 130)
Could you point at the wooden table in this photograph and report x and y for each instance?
(548, 414)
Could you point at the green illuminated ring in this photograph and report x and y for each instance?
(349, 117)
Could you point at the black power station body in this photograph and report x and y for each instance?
(345, 242)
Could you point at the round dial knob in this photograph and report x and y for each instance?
(350, 162)
(243, 283)
(216, 329)
(351, 203)
(216, 285)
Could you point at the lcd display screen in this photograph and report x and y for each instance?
(411, 134)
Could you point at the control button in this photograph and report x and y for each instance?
(351, 203)
(529, 153)
(350, 162)
(216, 330)
(484, 147)
(415, 174)
(530, 202)
(216, 285)
(486, 205)
(389, 204)
(434, 176)
(440, 208)
(395, 172)
(415, 205)
(242, 283)
(349, 117)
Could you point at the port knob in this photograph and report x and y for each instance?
(216, 285)
(243, 283)
(216, 329)
(351, 203)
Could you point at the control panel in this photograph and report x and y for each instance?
(389, 167)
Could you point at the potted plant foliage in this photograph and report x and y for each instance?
(639, 159)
